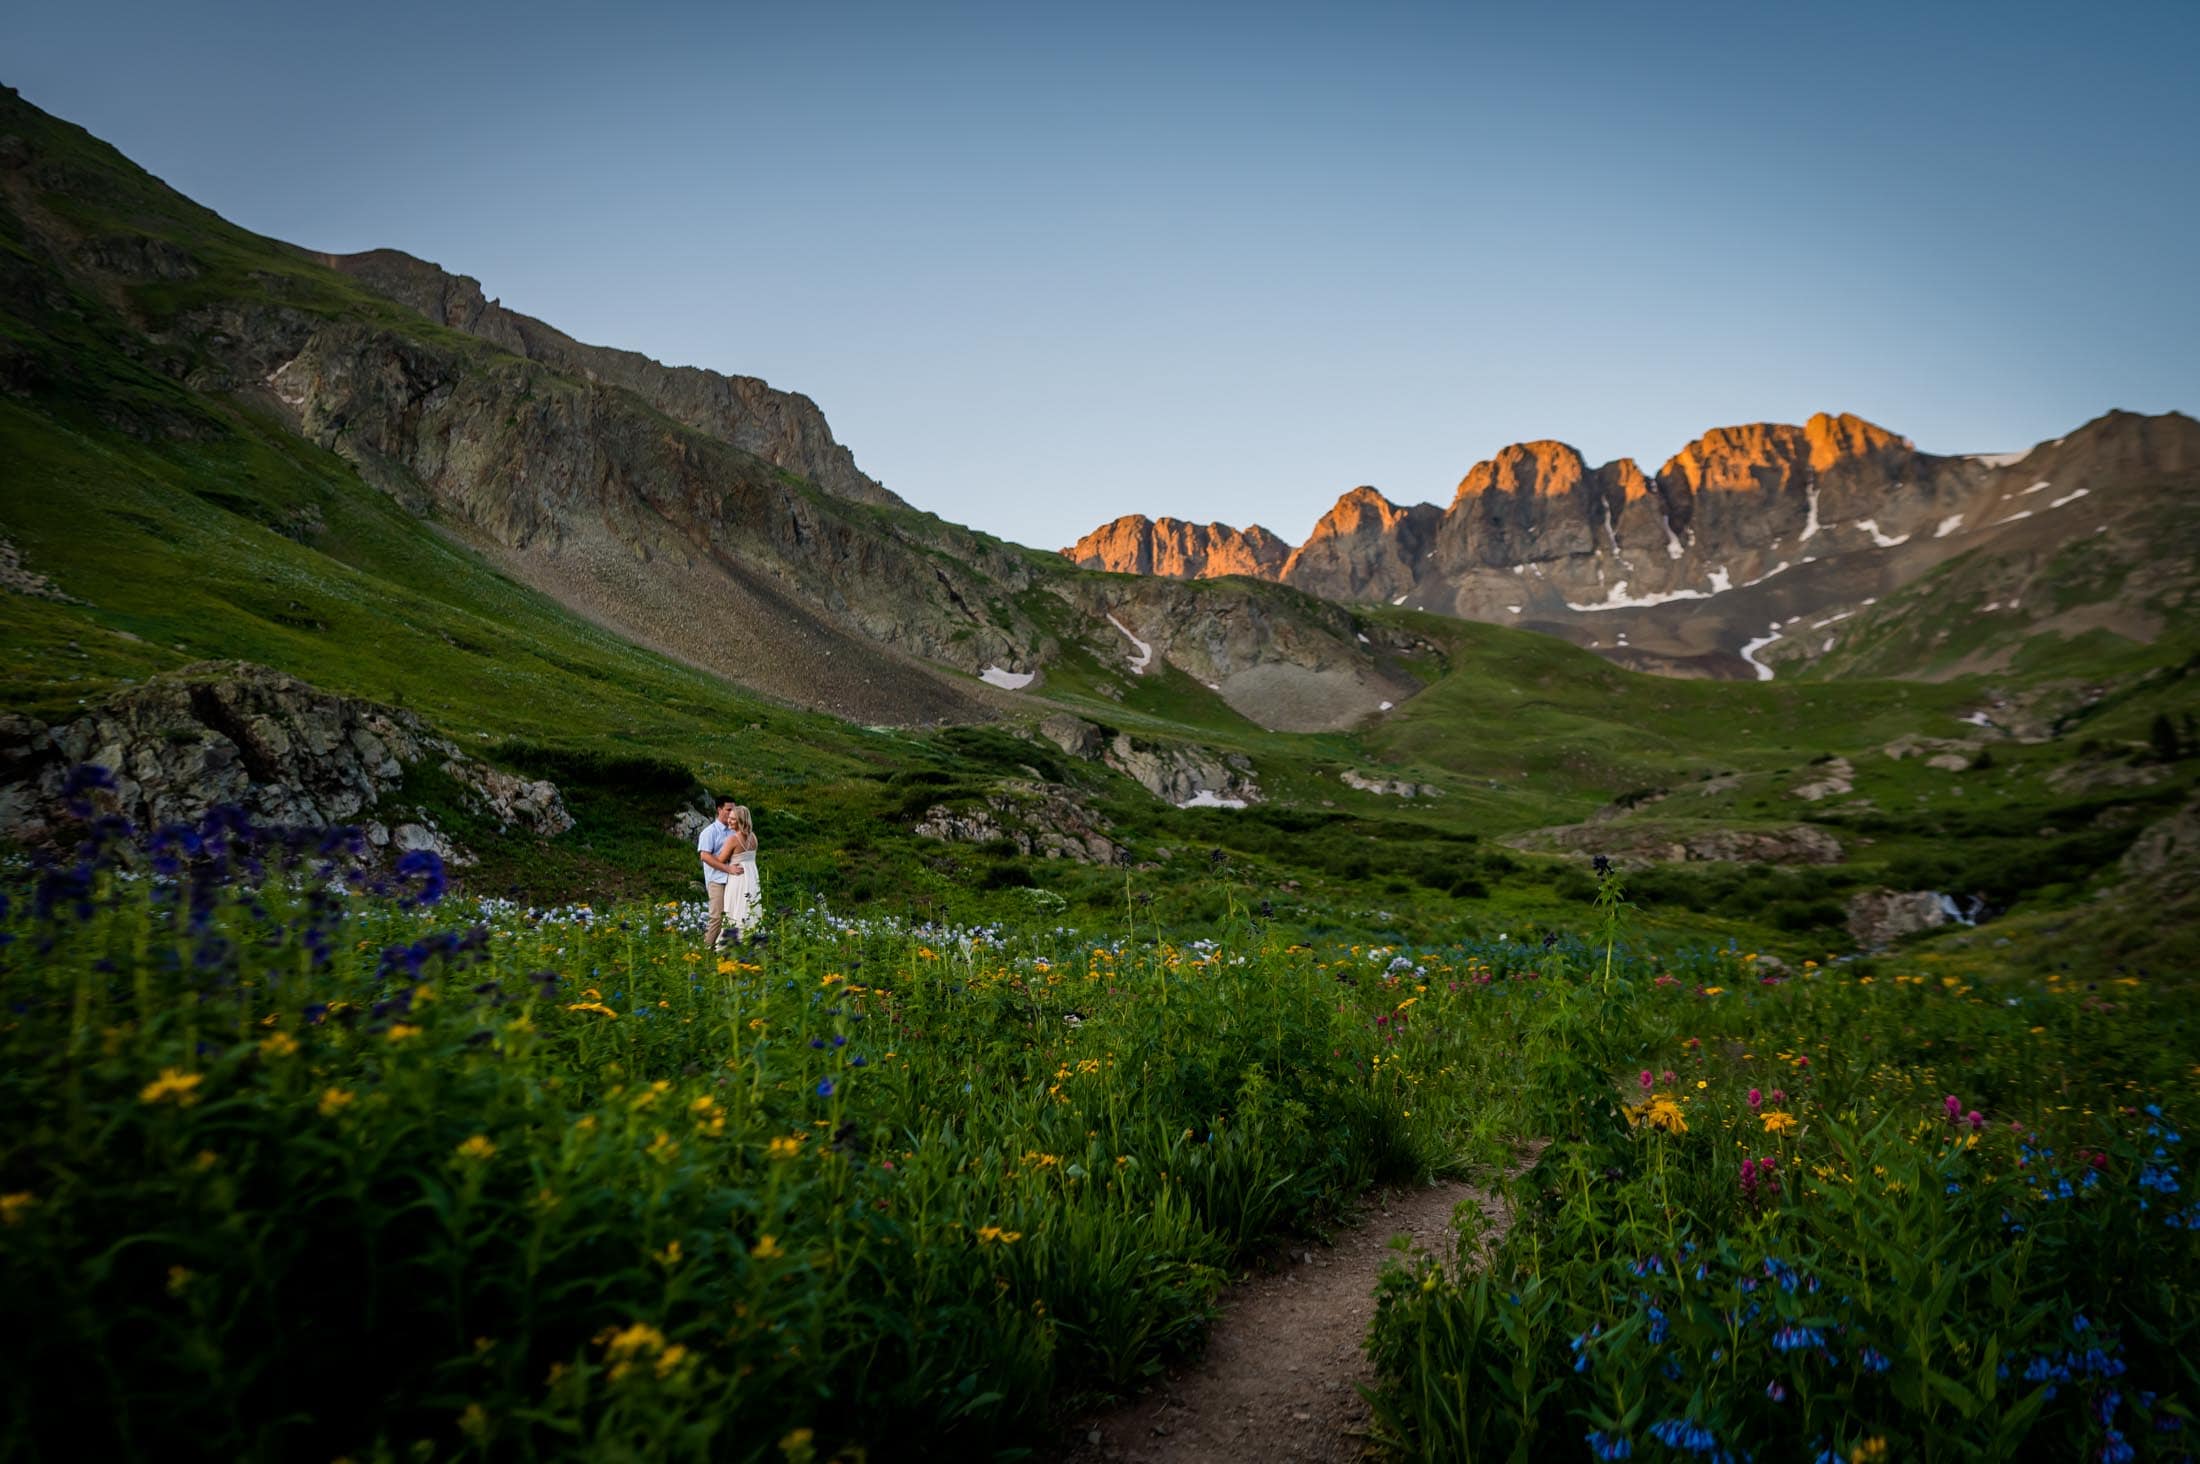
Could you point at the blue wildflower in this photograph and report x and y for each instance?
(1610, 1446)
(1685, 1434)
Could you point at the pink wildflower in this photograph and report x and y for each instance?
(1645, 1080)
(1756, 1098)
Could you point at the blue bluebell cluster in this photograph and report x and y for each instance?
(1689, 1437)
(1610, 1446)
(1791, 1338)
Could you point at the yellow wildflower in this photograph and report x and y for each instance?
(278, 1044)
(335, 1101)
(478, 1148)
(1777, 1122)
(994, 1235)
(174, 1085)
(662, 1148)
(1660, 1112)
(591, 1006)
(784, 1147)
(13, 1207)
(180, 1279)
(204, 1160)
(474, 1422)
(669, 1256)
(796, 1444)
(766, 1248)
(403, 1031)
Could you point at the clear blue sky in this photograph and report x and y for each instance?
(1042, 264)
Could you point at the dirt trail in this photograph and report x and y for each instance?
(1284, 1362)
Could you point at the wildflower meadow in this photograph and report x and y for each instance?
(304, 1160)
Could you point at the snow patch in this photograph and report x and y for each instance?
(2071, 497)
(1871, 527)
(1976, 719)
(1141, 653)
(1619, 599)
(1720, 584)
(1006, 679)
(1386, 706)
(1749, 653)
(1399, 601)
(2000, 459)
(1832, 620)
(1673, 548)
(1948, 525)
(1516, 609)
(1362, 637)
(1768, 574)
(2022, 513)
(1208, 798)
(1828, 645)
(1810, 525)
(2036, 487)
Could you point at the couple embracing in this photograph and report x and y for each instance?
(727, 846)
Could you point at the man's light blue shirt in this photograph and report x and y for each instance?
(707, 841)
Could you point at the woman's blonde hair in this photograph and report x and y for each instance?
(742, 821)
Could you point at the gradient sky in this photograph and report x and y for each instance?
(1042, 264)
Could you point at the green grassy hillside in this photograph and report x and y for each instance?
(162, 516)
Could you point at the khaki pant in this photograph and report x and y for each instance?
(717, 925)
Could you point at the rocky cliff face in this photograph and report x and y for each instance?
(1364, 549)
(1753, 535)
(286, 752)
(783, 428)
(1175, 549)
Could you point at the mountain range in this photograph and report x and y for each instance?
(1714, 563)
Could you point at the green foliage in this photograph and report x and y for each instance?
(1850, 1214)
(526, 1182)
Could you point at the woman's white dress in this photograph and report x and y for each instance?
(744, 893)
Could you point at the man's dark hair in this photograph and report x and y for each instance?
(726, 803)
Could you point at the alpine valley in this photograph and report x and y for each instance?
(342, 537)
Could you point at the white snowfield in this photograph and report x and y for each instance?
(2071, 497)
(1209, 798)
(1141, 653)
(1006, 679)
(1948, 525)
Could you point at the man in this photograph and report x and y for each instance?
(716, 871)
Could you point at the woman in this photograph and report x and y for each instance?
(744, 891)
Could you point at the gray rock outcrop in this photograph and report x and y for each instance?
(1668, 843)
(1041, 820)
(286, 752)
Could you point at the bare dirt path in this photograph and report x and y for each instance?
(1281, 1374)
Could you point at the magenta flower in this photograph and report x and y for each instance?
(1954, 1105)
(1975, 1120)
(1756, 1098)
(1645, 1080)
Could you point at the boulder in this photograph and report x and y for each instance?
(2167, 846)
(1387, 787)
(1041, 820)
(1877, 918)
(1832, 779)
